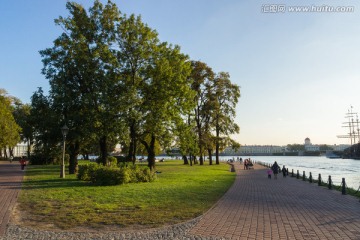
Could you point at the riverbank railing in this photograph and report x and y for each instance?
(342, 187)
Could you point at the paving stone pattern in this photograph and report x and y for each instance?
(287, 208)
(10, 184)
(253, 208)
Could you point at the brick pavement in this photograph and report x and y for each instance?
(10, 185)
(287, 208)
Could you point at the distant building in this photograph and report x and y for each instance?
(340, 147)
(255, 150)
(19, 150)
(309, 147)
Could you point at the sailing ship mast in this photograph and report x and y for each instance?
(352, 123)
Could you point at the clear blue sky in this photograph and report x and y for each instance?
(298, 72)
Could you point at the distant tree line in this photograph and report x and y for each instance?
(113, 81)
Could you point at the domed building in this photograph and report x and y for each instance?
(309, 147)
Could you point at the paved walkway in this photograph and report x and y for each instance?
(287, 208)
(10, 184)
(253, 208)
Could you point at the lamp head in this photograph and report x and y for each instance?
(64, 130)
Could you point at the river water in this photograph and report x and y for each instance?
(336, 168)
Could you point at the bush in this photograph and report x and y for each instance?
(41, 159)
(107, 175)
(87, 172)
(122, 159)
(112, 161)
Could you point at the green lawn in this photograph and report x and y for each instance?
(180, 193)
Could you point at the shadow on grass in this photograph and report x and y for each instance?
(54, 183)
(48, 176)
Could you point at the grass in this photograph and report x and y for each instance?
(180, 193)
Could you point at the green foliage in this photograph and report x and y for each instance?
(107, 176)
(9, 129)
(86, 172)
(112, 161)
(122, 160)
(112, 80)
(325, 147)
(46, 127)
(296, 147)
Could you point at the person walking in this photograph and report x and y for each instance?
(275, 168)
(269, 172)
(283, 171)
(22, 163)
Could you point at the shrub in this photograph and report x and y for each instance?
(107, 175)
(87, 172)
(112, 161)
(122, 160)
(41, 159)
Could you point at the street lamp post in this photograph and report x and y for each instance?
(64, 131)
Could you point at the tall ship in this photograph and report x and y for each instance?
(352, 134)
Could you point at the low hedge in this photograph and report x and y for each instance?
(110, 175)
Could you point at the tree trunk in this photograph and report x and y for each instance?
(200, 140)
(151, 153)
(210, 156)
(135, 150)
(132, 147)
(201, 160)
(217, 142)
(195, 160)
(11, 152)
(150, 148)
(103, 150)
(74, 149)
(5, 153)
(29, 143)
(186, 162)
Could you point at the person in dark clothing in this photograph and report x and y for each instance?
(275, 168)
(284, 171)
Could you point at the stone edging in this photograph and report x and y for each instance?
(177, 231)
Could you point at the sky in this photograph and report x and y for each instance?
(298, 72)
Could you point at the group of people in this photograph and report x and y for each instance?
(248, 163)
(275, 169)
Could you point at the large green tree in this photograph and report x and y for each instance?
(81, 68)
(157, 89)
(9, 129)
(136, 43)
(224, 100)
(167, 96)
(202, 77)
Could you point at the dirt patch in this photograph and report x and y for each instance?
(23, 219)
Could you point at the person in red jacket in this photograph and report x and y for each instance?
(22, 163)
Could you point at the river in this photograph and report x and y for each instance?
(336, 168)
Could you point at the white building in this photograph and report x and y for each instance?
(19, 150)
(255, 150)
(309, 147)
(340, 147)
